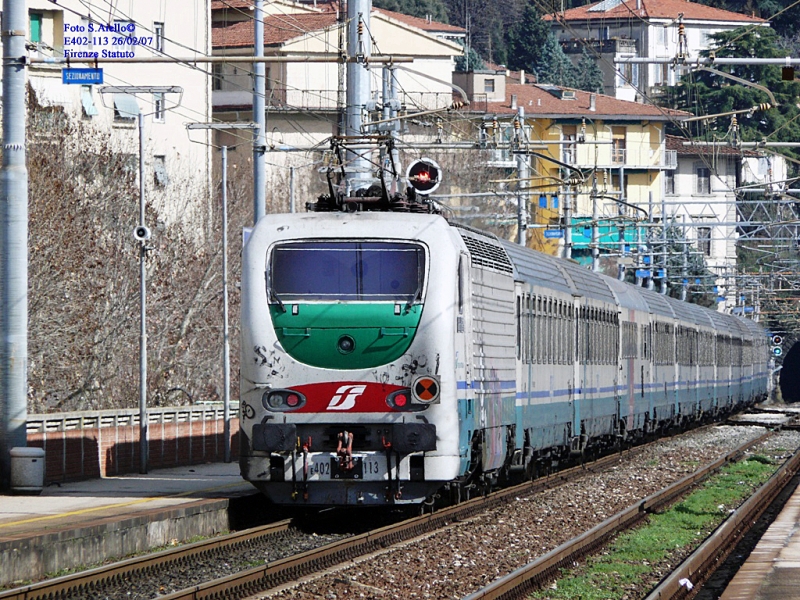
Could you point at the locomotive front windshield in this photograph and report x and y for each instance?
(347, 271)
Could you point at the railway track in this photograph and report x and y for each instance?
(697, 568)
(84, 583)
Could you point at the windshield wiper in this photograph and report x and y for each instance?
(417, 296)
(274, 296)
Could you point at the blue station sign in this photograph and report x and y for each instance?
(553, 233)
(82, 76)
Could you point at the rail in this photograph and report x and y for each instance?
(73, 585)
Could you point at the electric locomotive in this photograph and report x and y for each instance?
(387, 356)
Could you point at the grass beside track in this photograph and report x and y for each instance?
(628, 565)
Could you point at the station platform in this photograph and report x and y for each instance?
(772, 571)
(83, 523)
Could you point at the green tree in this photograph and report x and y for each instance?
(553, 66)
(476, 63)
(526, 40)
(706, 93)
(416, 8)
(588, 76)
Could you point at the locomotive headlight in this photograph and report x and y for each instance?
(346, 344)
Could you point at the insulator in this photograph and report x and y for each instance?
(360, 27)
(764, 106)
(516, 124)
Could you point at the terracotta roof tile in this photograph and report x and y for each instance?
(537, 100)
(277, 29)
(655, 9)
(424, 24)
(282, 28)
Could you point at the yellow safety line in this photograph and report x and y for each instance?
(118, 505)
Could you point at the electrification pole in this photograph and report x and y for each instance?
(13, 242)
(358, 88)
(226, 347)
(259, 118)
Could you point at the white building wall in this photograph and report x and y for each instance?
(184, 195)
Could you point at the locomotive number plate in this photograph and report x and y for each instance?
(325, 467)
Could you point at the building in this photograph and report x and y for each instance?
(701, 196)
(614, 29)
(592, 166)
(177, 170)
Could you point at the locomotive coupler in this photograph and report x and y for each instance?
(344, 450)
(306, 448)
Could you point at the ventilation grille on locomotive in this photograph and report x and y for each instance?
(487, 255)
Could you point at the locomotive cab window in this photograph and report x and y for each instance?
(347, 271)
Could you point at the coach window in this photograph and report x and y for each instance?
(531, 338)
(519, 328)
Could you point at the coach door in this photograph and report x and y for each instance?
(463, 354)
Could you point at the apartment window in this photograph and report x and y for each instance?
(569, 150)
(160, 171)
(158, 35)
(488, 86)
(669, 183)
(36, 27)
(664, 74)
(89, 108)
(617, 144)
(661, 36)
(703, 180)
(126, 108)
(216, 76)
(158, 106)
(704, 240)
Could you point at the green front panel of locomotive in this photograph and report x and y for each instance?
(378, 333)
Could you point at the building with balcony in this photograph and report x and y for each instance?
(700, 201)
(614, 29)
(602, 158)
(177, 170)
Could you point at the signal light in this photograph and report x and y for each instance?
(424, 175)
(777, 340)
(777, 351)
(400, 400)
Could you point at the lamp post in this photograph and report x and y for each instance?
(142, 234)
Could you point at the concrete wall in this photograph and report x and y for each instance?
(85, 445)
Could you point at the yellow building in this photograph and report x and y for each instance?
(582, 159)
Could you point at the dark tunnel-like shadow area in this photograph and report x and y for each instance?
(790, 375)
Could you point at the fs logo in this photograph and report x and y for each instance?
(340, 401)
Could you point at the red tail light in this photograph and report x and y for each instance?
(401, 400)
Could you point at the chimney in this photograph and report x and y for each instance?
(522, 76)
(513, 101)
(592, 102)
